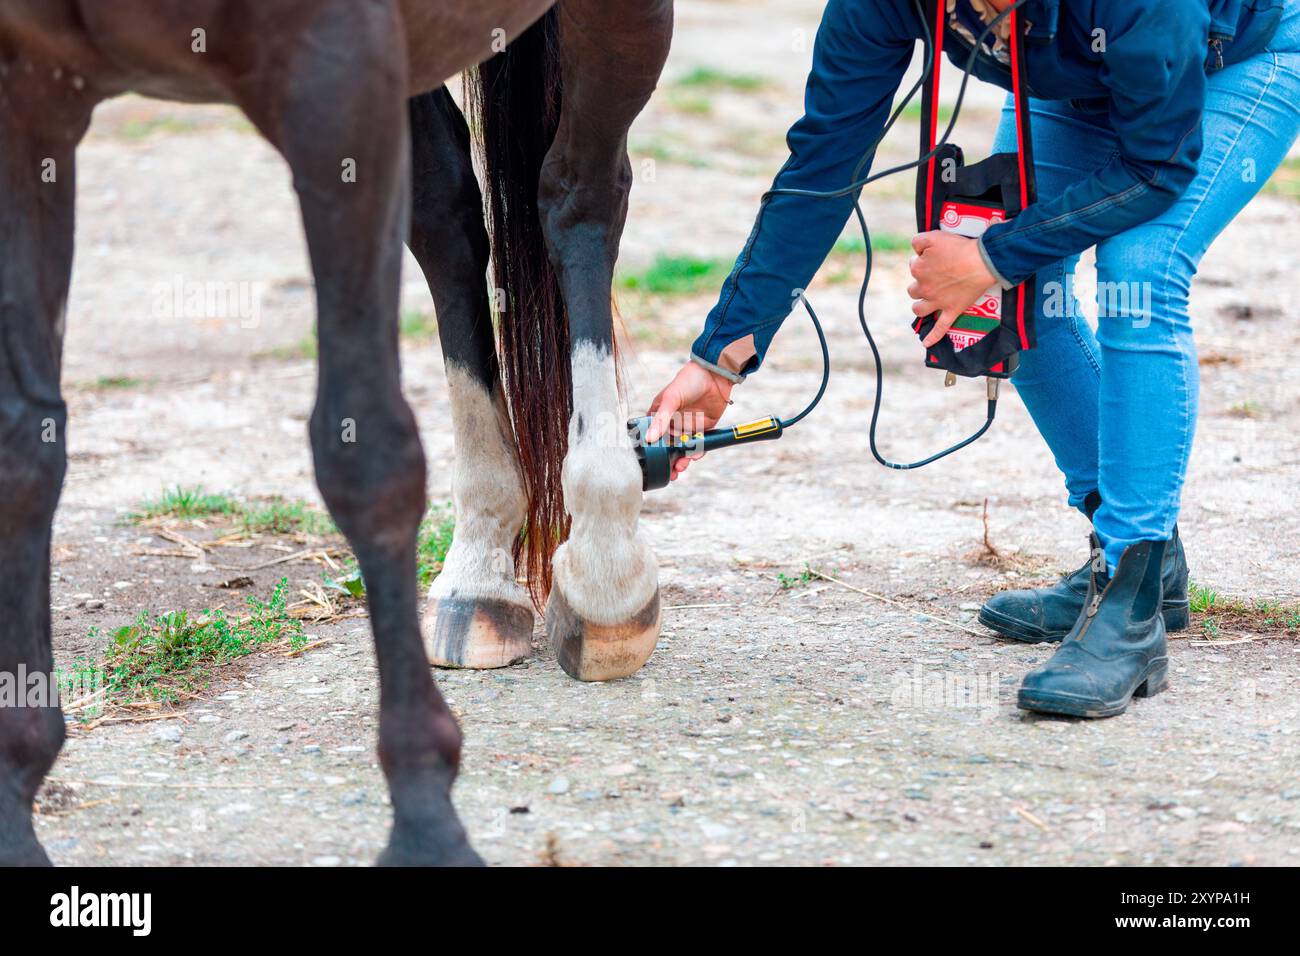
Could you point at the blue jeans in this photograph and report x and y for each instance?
(1118, 408)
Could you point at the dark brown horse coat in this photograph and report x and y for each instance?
(350, 92)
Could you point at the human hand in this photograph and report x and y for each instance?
(950, 277)
(692, 402)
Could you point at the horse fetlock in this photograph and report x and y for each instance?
(603, 616)
(415, 739)
(478, 615)
(30, 740)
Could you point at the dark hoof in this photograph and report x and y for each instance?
(477, 634)
(599, 652)
(429, 844)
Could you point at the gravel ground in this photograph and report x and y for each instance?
(804, 724)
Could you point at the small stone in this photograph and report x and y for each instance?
(171, 735)
(209, 719)
(970, 606)
(311, 749)
(326, 861)
(94, 604)
(732, 771)
(558, 786)
(235, 736)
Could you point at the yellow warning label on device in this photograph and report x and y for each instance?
(760, 427)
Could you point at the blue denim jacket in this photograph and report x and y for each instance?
(1151, 81)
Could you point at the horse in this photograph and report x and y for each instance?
(352, 94)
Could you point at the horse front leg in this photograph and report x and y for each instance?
(36, 234)
(341, 121)
(603, 616)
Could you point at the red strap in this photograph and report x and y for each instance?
(1020, 121)
(1020, 153)
(940, 24)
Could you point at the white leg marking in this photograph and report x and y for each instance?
(605, 570)
(489, 495)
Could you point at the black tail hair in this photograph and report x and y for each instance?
(514, 102)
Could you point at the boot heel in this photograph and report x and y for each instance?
(1156, 681)
(1178, 617)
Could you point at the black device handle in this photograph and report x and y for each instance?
(658, 458)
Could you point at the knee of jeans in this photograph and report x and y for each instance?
(1143, 290)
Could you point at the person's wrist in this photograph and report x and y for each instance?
(717, 371)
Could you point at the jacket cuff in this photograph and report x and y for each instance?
(734, 377)
(988, 264)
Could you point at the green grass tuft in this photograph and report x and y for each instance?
(851, 245)
(112, 383)
(283, 516)
(1259, 614)
(180, 502)
(1202, 598)
(704, 77)
(161, 656)
(678, 275)
(787, 582)
(434, 542)
(431, 549)
(418, 326)
(695, 104)
(913, 112)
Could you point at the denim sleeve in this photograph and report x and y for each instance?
(1153, 66)
(862, 51)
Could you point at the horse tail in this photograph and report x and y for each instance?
(514, 104)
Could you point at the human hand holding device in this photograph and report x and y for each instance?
(693, 401)
(950, 277)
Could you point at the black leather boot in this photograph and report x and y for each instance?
(1117, 648)
(1037, 615)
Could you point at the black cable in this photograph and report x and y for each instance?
(826, 367)
(856, 187)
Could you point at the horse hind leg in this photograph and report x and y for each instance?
(477, 615)
(603, 616)
(343, 108)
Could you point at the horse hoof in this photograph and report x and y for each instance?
(597, 652)
(416, 852)
(479, 634)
